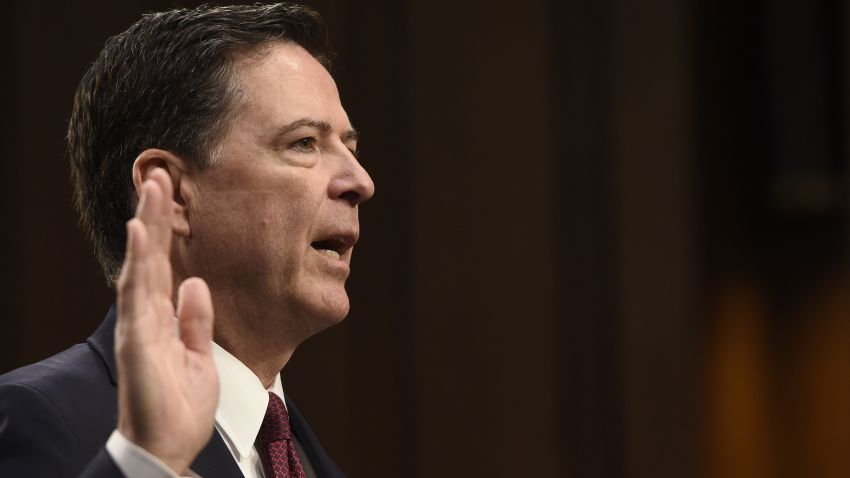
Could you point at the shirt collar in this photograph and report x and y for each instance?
(242, 401)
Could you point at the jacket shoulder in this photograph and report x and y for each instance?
(77, 364)
(56, 414)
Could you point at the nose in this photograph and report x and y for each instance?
(353, 184)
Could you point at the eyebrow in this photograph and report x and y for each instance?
(323, 126)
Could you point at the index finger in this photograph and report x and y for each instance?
(155, 208)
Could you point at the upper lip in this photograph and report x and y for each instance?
(340, 241)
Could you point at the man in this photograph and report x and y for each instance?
(222, 128)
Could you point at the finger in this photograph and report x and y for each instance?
(132, 284)
(164, 211)
(149, 197)
(150, 203)
(153, 209)
(195, 315)
(158, 228)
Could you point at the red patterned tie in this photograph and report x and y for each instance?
(274, 443)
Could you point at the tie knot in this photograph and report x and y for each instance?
(275, 425)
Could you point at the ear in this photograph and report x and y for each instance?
(176, 167)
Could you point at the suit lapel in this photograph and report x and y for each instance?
(103, 342)
(215, 460)
(322, 464)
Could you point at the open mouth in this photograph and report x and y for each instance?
(330, 247)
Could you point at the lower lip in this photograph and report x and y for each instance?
(339, 265)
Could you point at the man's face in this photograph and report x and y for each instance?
(274, 222)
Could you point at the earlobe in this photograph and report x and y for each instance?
(175, 167)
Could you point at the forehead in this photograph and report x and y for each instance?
(282, 81)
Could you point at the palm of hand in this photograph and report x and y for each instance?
(168, 384)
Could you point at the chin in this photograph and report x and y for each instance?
(327, 311)
(316, 305)
(337, 311)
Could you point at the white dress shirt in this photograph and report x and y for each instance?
(242, 404)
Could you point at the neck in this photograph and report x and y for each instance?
(264, 365)
(263, 343)
(263, 349)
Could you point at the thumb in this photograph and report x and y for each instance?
(195, 315)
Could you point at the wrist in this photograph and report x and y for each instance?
(166, 455)
(134, 460)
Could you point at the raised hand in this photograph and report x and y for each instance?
(167, 383)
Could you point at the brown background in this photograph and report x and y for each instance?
(609, 238)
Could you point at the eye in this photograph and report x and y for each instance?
(305, 145)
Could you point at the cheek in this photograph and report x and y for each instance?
(262, 220)
(277, 220)
(284, 214)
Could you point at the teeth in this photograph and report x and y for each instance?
(330, 253)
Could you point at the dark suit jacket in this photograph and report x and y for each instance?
(56, 415)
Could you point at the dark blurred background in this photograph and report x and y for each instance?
(609, 238)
